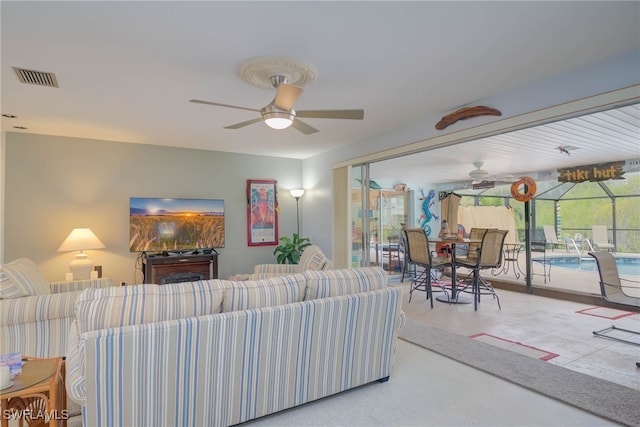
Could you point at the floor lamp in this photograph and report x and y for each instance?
(297, 193)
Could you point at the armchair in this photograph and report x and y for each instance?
(311, 259)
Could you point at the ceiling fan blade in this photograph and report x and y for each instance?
(286, 96)
(303, 127)
(332, 114)
(198, 101)
(243, 124)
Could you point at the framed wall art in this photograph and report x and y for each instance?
(262, 212)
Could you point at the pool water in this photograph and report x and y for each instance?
(626, 265)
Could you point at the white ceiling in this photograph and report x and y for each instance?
(127, 70)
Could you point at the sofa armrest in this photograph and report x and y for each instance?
(78, 285)
(274, 270)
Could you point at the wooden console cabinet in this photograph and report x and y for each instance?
(174, 268)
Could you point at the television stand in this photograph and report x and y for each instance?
(179, 267)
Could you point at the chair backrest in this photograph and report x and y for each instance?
(475, 234)
(599, 234)
(539, 247)
(610, 284)
(491, 248)
(550, 234)
(417, 246)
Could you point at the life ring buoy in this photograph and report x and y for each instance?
(530, 189)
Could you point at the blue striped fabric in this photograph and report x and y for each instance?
(228, 368)
(264, 293)
(328, 283)
(312, 258)
(25, 275)
(131, 305)
(38, 326)
(8, 289)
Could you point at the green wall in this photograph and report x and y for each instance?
(54, 184)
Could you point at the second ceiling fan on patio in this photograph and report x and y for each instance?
(480, 175)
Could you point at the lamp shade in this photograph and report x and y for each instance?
(296, 192)
(80, 239)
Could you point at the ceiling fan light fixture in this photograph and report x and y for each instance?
(278, 120)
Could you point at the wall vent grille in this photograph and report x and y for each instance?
(39, 78)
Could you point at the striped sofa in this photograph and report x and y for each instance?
(219, 353)
(37, 325)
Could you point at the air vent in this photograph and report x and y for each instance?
(39, 78)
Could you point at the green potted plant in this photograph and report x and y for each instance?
(290, 250)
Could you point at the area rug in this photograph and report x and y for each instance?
(597, 396)
(516, 346)
(607, 313)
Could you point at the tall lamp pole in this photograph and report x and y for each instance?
(297, 194)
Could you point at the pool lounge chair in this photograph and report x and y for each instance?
(613, 290)
(551, 238)
(599, 238)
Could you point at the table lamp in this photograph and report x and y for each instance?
(81, 239)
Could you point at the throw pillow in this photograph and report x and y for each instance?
(312, 259)
(26, 277)
(8, 289)
(332, 283)
(264, 293)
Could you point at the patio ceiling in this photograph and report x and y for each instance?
(600, 137)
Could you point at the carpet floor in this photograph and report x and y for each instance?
(594, 395)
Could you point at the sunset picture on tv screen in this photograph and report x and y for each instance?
(175, 224)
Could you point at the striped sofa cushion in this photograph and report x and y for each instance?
(264, 293)
(331, 283)
(74, 381)
(131, 305)
(24, 274)
(8, 289)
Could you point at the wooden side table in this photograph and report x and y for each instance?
(37, 395)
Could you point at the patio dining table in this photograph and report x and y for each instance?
(451, 242)
(510, 253)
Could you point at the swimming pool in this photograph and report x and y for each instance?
(626, 265)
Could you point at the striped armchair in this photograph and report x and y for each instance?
(35, 315)
(311, 259)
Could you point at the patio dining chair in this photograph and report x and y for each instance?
(600, 239)
(419, 254)
(552, 239)
(613, 290)
(489, 257)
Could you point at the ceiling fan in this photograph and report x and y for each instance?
(279, 113)
(480, 175)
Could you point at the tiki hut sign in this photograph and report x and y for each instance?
(600, 172)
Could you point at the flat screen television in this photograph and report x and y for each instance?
(157, 224)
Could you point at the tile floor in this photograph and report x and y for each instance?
(552, 325)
